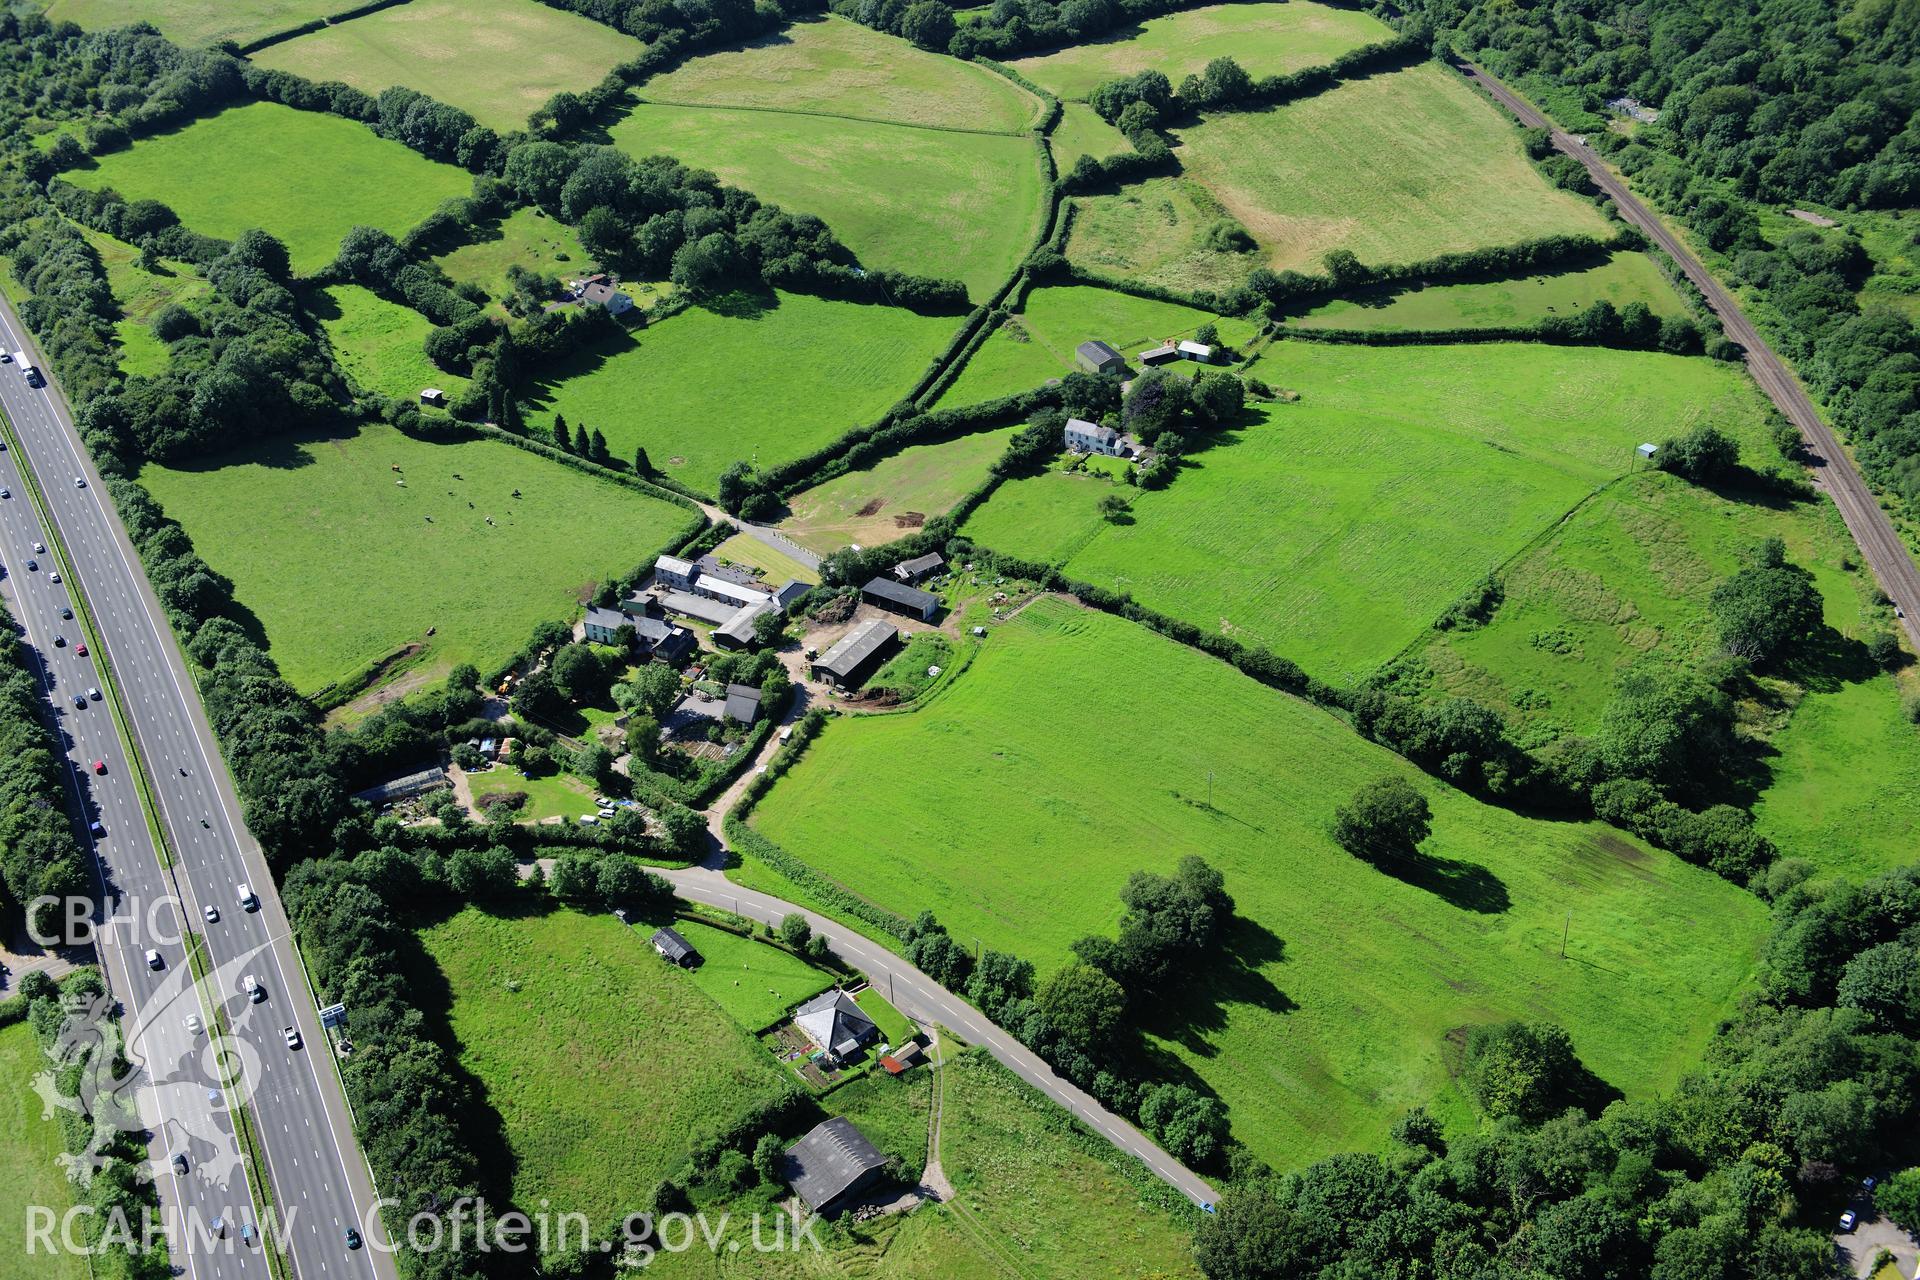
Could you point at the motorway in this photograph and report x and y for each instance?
(1833, 470)
(319, 1179)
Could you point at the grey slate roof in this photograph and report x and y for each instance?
(611, 619)
(921, 566)
(743, 703)
(831, 1160)
(1096, 350)
(901, 594)
(835, 1022)
(857, 646)
(790, 591)
(668, 942)
(739, 627)
(1092, 430)
(701, 607)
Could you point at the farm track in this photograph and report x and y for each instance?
(829, 115)
(1833, 470)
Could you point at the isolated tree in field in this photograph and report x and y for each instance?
(561, 436)
(1521, 1069)
(1082, 1006)
(1766, 609)
(794, 930)
(1113, 507)
(642, 464)
(928, 24)
(1702, 455)
(1387, 818)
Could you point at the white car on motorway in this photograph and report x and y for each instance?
(292, 1035)
(193, 1023)
(251, 985)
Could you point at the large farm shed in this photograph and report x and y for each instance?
(859, 652)
(833, 1163)
(897, 597)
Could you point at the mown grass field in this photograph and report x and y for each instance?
(1039, 341)
(1335, 530)
(1622, 279)
(343, 566)
(964, 206)
(195, 22)
(526, 237)
(1079, 132)
(1154, 231)
(894, 496)
(771, 379)
(29, 1172)
(497, 60)
(550, 795)
(1330, 1006)
(381, 344)
(1626, 581)
(755, 982)
(1396, 167)
(775, 566)
(600, 1058)
(833, 66)
(1266, 39)
(141, 293)
(305, 176)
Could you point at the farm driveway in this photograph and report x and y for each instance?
(1874, 1233)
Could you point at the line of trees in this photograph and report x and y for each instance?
(38, 852)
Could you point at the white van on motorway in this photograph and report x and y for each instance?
(247, 899)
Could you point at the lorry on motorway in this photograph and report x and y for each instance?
(28, 369)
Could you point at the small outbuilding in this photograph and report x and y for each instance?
(1165, 353)
(1096, 356)
(1196, 351)
(920, 568)
(433, 397)
(833, 1164)
(673, 948)
(898, 597)
(743, 703)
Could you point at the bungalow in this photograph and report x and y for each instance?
(854, 658)
(673, 948)
(832, 1165)
(838, 1025)
(1082, 436)
(920, 568)
(1096, 356)
(672, 571)
(743, 703)
(602, 626)
(1197, 351)
(897, 597)
(1165, 353)
(601, 294)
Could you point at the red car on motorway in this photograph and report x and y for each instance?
(81, 648)
(99, 766)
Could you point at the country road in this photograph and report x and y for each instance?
(1834, 472)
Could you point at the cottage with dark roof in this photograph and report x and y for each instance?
(602, 294)
(831, 1165)
(836, 1023)
(743, 703)
(1096, 356)
(857, 654)
(920, 568)
(602, 626)
(673, 948)
(897, 597)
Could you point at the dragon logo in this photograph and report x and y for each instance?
(173, 1082)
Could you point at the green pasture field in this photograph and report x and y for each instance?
(551, 795)
(1331, 1004)
(1266, 39)
(1334, 530)
(1056, 320)
(833, 66)
(195, 22)
(526, 237)
(305, 176)
(599, 1057)
(343, 567)
(1622, 279)
(1154, 232)
(497, 60)
(381, 344)
(765, 379)
(1625, 581)
(1079, 132)
(755, 982)
(1057, 1197)
(893, 496)
(907, 670)
(1397, 168)
(963, 206)
(775, 566)
(142, 293)
(30, 1172)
